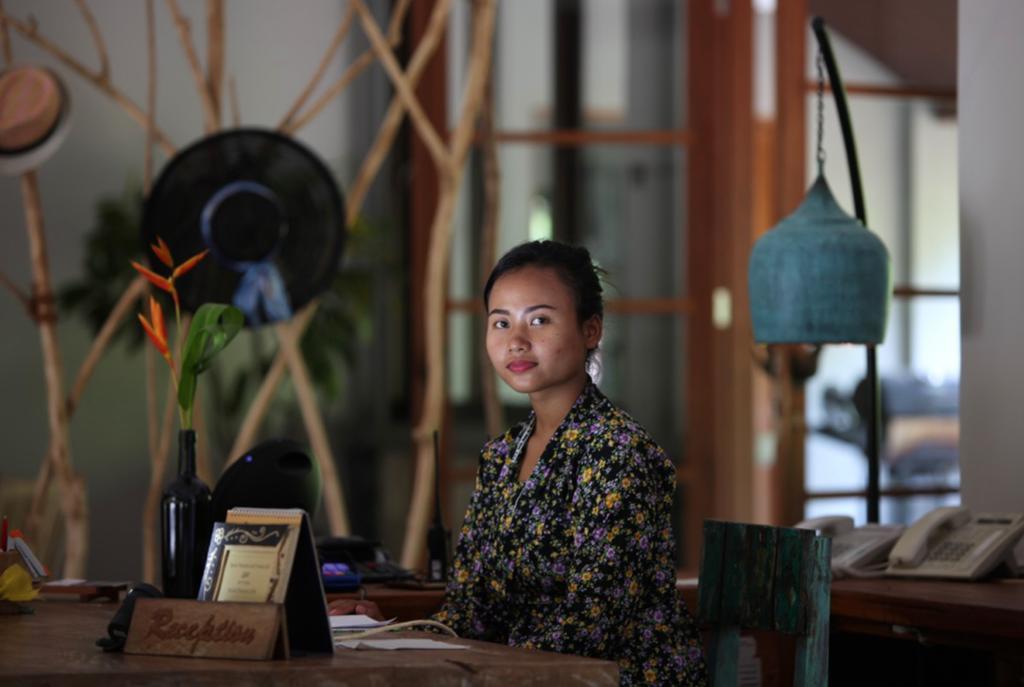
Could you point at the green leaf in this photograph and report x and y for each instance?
(213, 326)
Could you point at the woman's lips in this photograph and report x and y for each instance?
(520, 365)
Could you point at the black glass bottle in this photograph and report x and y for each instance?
(185, 524)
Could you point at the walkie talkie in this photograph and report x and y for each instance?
(438, 542)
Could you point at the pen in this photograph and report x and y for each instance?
(3, 535)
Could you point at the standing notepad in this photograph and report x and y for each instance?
(305, 605)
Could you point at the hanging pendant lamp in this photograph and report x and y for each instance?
(819, 276)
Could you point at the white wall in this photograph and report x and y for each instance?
(991, 109)
(272, 50)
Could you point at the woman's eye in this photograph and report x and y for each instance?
(539, 319)
(500, 324)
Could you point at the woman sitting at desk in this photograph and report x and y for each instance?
(567, 542)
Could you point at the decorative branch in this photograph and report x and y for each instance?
(72, 490)
(97, 38)
(357, 67)
(25, 299)
(99, 345)
(419, 118)
(203, 468)
(334, 498)
(494, 417)
(160, 437)
(185, 37)
(215, 53)
(396, 110)
(438, 257)
(246, 437)
(104, 85)
(325, 61)
(147, 162)
(152, 439)
(236, 117)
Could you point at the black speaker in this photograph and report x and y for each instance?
(278, 473)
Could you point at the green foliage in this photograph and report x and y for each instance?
(213, 326)
(110, 245)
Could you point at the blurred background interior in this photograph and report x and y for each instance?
(664, 135)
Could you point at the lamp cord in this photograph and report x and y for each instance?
(820, 63)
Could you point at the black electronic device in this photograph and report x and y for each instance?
(278, 473)
(365, 557)
(438, 538)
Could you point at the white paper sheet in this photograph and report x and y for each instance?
(393, 644)
(354, 621)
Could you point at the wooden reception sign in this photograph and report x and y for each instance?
(183, 627)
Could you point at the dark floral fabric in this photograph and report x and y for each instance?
(579, 558)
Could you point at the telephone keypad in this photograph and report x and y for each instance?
(950, 551)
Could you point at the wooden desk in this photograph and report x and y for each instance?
(56, 646)
(928, 632)
(971, 614)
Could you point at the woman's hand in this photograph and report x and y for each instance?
(361, 607)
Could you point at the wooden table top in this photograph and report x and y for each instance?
(56, 645)
(987, 609)
(936, 610)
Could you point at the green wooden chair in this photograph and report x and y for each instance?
(765, 578)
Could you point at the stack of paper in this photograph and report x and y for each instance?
(393, 644)
(356, 623)
(347, 625)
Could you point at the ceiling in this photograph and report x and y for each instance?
(916, 39)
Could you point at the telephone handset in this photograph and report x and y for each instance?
(856, 552)
(950, 542)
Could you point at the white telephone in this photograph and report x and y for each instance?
(856, 552)
(950, 542)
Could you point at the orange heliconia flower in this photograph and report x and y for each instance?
(162, 283)
(188, 265)
(156, 331)
(163, 252)
(154, 326)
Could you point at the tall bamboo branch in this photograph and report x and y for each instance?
(236, 116)
(357, 67)
(99, 345)
(147, 162)
(184, 28)
(334, 498)
(160, 437)
(436, 282)
(249, 428)
(23, 297)
(97, 38)
(73, 503)
(419, 118)
(215, 53)
(104, 85)
(494, 417)
(325, 62)
(389, 127)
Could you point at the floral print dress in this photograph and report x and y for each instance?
(579, 558)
